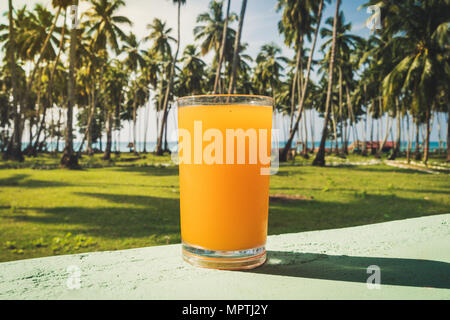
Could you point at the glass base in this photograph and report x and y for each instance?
(228, 260)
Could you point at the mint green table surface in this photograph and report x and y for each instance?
(413, 257)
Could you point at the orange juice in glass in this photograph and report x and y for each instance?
(224, 164)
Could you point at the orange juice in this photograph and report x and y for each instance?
(224, 204)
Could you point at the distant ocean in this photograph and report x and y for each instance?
(150, 146)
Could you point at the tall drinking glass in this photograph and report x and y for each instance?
(224, 165)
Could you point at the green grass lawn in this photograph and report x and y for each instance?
(133, 202)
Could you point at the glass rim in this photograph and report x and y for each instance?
(219, 99)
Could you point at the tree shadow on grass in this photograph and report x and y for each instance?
(289, 173)
(150, 170)
(388, 169)
(310, 215)
(353, 190)
(146, 216)
(393, 271)
(143, 216)
(21, 180)
(434, 191)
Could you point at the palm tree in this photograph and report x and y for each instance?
(268, 69)
(244, 82)
(320, 156)
(295, 25)
(116, 79)
(137, 96)
(161, 51)
(104, 28)
(237, 45)
(104, 24)
(134, 62)
(345, 44)
(422, 69)
(222, 48)
(159, 150)
(35, 39)
(304, 93)
(215, 36)
(366, 87)
(33, 31)
(91, 81)
(151, 71)
(14, 151)
(193, 72)
(29, 44)
(69, 159)
(160, 36)
(60, 5)
(50, 86)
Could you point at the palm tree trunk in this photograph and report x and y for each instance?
(408, 136)
(134, 121)
(59, 130)
(299, 94)
(448, 132)
(366, 124)
(426, 153)
(117, 123)
(340, 112)
(157, 123)
(284, 153)
(39, 131)
(146, 121)
(31, 124)
(237, 44)
(399, 128)
(320, 157)
(159, 150)
(294, 81)
(30, 150)
(305, 128)
(386, 136)
(14, 150)
(352, 119)
(108, 125)
(166, 145)
(333, 121)
(69, 160)
(372, 150)
(439, 132)
(364, 145)
(311, 120)
(417, 154)
(222, 49)
(398, 137)
(100, 145)
(339, 119)
(89, 127)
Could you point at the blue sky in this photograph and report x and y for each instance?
(260, 27)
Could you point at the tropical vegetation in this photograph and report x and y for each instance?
(55, 62)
